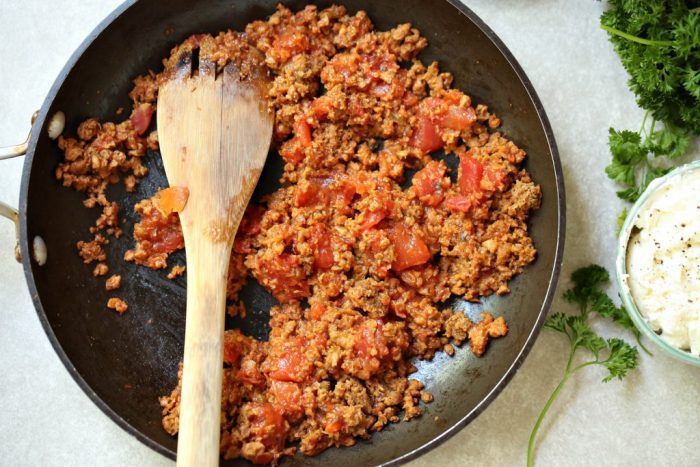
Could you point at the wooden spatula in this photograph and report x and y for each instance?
(214, 134)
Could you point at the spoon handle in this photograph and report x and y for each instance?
(200, 405)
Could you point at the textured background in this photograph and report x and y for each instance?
(648, 419)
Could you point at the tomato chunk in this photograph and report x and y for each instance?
(266, 426)
(288, 397)
(290, 43)
(249, 372)
(369, 342)
(290, 365)
(320, 241)
(372, 218)
(302, 132)
(459, 203)
(170, 200)
(284, 276)
(234, 346)
(409, 248)
(141, 118)
(321, 106)
(426, 137)
(471, 171)
(458, 118)
(332, 190)
(427, 183)
(334, 423)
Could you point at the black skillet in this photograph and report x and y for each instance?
(123, 363)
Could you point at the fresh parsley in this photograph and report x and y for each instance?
(658, 42)
(615, 355)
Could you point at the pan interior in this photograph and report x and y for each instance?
(125, 362)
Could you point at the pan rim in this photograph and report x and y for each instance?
(433, 443)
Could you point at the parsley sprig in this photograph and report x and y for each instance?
(658, 42)
(614, 354)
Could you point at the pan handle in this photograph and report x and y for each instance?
(6, 210)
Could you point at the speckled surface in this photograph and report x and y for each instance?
(648, 419)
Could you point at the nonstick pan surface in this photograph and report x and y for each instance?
(124, 363)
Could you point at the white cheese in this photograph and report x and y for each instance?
(663, 261)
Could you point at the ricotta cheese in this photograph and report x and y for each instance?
(663, 261)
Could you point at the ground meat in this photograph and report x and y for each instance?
(487, 328)
(92, 251)
(100, 270)
(176, 271)
(114, 282)
(371, 249)
(117, 304)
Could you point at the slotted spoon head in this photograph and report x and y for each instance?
(214, 131)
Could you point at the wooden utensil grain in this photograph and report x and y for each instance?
(214, 133)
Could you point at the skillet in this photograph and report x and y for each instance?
(124, 363)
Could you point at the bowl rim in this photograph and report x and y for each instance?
(621, 265)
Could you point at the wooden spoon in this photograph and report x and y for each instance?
(214, 133)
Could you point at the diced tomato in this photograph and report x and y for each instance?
(233, 346)
(427, 183)
(495, 180)
(291, 365)
(344, 192)
(306, 194)
(335, 189)
(302, 132)
(170, 200)
(141, 118)
(285, 277)
(290, 43)
(334, 424)
(288, 397)
(372, 218)
(321, 106)
(345, 64)
(458, 118)
(471, 172)
(459, 203)
(437, 114)
(291, 151)
(409, 248)
(322, 247)
(267, 425)
(369, 341)
(163, 232)
(250, 373)
(410, 99)
(426, 137)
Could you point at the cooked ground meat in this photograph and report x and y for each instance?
(100, 270)
(366, 238)
(176, 271)
(118, 305)
(114, 282)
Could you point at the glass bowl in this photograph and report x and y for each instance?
(621, 267)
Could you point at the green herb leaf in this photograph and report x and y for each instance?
(658, 42)
(615, 355)
(623, 357)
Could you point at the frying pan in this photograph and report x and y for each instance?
(123, 363)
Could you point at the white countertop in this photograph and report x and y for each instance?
(650, 418)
